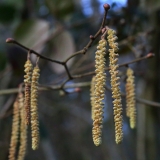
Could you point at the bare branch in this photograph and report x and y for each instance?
(75, 85)
(11, 40)
(46, 88)
(149, 55)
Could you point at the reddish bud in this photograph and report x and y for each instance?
(106, 6)
(149, 55)
(77, 90)
(91, 37)
(103, 30)
(9, 40)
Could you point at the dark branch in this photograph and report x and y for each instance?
(75, 85)
(11, 40)
(140, 100)
(149, 55)
(92, 38)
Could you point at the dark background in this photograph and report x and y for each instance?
(57, 29)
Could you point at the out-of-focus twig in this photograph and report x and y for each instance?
(74, 85)
(149, 55)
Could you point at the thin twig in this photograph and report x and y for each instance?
(92, 38)
(83, 51)
(11, 40)
(61, 86)
(143, 101)
(46, 88)
(67, 70)
(75, 85)
(140, 100)
(149, 55)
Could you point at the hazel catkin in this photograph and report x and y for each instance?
(130, 98)
(99, 92)
(27, 80)
(115, 85)
(34, 109)
(15, 131)
(23, 129)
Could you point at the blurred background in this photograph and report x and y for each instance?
(58, 28)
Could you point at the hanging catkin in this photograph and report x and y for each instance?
(130, 98)
(99, 92)
(115, 85)
(15, 131)
(23, 129)
(92, 97)
(27, 80)
(34, 109)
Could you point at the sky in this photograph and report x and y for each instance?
(88, 9)
(122, 2)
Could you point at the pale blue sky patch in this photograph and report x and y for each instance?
(87, 8)
(119, 2)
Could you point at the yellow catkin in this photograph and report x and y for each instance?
(130, 98)
(15, 130)
(118, 119)
(92, 96)
(23, 129)
(34, 109)
(99, 92)
(27, 80)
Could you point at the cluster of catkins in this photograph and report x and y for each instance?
(25, 112)
(31, 94)
(25, 107)
(98, 89)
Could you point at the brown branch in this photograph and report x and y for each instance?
(83, 51)
(131, 38)
(149, 55)
(92, 38)
(11, 40)
(63, 86)
(46, 88)
(140, 100)
(67, 70)
(75, 85)
(147, 102)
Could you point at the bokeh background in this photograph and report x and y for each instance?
(58, 28)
